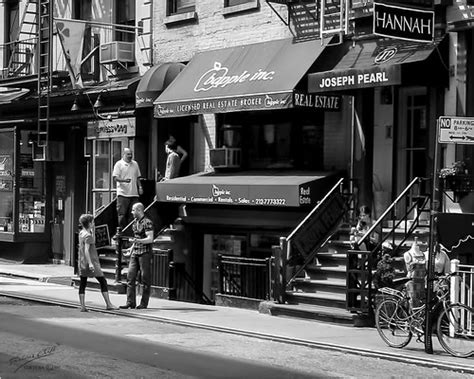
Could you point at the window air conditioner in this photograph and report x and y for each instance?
(117, 51)
(225, 157)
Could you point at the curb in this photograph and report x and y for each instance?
(370, 353)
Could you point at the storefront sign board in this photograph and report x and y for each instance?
(456, 130)
(243, 192)
(120, 127)
(403, 23)
(221, 105)
(102, 236)
(324, 102)
(373, 76)
(320, 225)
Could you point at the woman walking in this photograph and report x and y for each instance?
(89, 266)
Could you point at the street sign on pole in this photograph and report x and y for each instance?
(456, 130)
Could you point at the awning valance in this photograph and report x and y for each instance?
(251, 77)
(271, 189)
(384, 62)
(154, 81)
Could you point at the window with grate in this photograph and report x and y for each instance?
(181, 6)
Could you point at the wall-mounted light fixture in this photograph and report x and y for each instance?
(75, 106)
(98, 103)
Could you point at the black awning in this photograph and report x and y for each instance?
(384, 62)
(270, 189)
(260, 76)
(120, 85)
(154, 81)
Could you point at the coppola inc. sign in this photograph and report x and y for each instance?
(403, 23)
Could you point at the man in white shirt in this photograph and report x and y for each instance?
(126, 175)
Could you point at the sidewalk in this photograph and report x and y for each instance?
(50, 281)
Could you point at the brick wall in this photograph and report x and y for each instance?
(212, 30)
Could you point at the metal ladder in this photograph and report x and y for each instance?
(333, 19)
(22, 52)
(44, 63)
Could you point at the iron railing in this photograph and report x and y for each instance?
(184, 286)
(245, 277)
(361, 263)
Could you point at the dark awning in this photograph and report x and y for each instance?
(251, 77)
(128, 86)
(7, 95)
(271, 189)
(384, 62)
(154, 81)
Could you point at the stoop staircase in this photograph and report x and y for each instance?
(325, 289)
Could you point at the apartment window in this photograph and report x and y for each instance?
(181, 6)
(233, 3)
(125, 15)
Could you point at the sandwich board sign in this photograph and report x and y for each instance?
(456, 130)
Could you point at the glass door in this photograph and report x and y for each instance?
(105, 152)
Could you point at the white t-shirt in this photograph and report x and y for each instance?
(124, 170)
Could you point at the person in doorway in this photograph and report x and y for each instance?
(140, 258)
(173, 161)
(89, 266)
(126, 175)
(183, 154)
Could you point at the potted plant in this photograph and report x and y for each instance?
(457, 179)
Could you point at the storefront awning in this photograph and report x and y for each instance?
(270, 189)
(115, 86)
(8, 95)
(260, 76)
(384, 62)
(154, 81)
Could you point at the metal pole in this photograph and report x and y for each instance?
(431, 251)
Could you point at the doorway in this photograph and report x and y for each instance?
(413, 136)
(105, 152)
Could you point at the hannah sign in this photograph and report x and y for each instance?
(403, 23)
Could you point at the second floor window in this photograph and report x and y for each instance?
(181, 6)
(125, 15)
(232, 3)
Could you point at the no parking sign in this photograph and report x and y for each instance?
(456, 130)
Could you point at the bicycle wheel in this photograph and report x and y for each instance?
(393, 323)
(456, 330)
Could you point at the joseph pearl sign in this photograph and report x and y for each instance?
(329, 81)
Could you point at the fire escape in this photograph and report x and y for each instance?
(314, 19)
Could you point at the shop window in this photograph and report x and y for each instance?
(181, 6)
(32, 191)
(280, 140)
(6, 180)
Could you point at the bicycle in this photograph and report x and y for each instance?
(397, 322)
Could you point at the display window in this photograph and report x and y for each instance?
(7, 164)
(22, 185)
(282, 140)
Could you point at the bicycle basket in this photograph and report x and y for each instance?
(391, 292)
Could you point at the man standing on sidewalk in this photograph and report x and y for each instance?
(126, 175)
(140, 258)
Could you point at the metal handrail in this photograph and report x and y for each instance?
(300, 225)
(387, 211)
